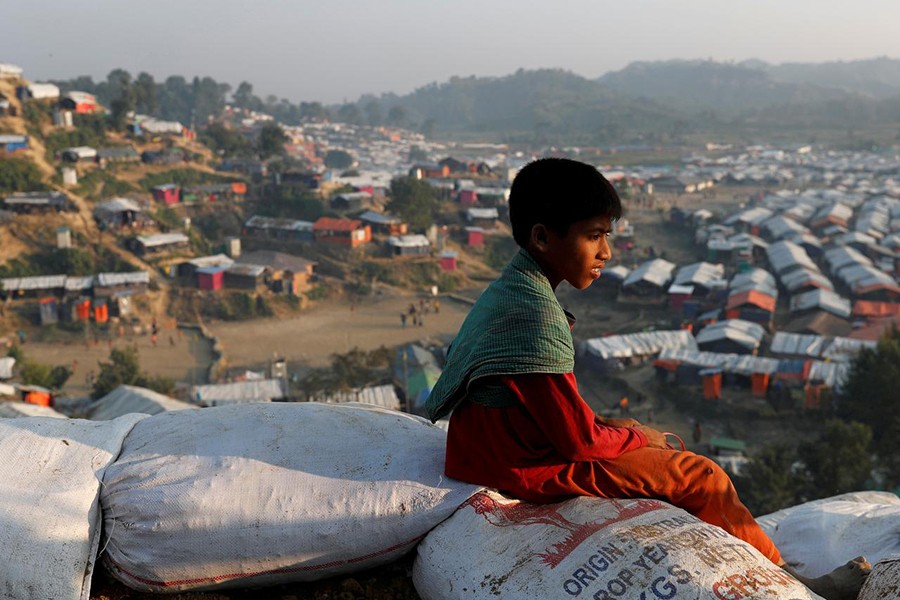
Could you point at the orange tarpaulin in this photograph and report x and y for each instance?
(712, 386)
(39, 398)
(759, 383)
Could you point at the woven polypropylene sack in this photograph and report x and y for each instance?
(817, 537)
(260, 494)
(591, 548)
(884, 582)
(50, 476)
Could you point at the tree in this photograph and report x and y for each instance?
(123, 368)
(396, 116)
(349, 113)
(373, 113)
(339, 159)
(35, 373)
(271, 141)
(145, 94)
(414, 201)
(839, 461)
(20, 175)
(769, 482)
(243, 96)
(869, 396)
(225, 141)
(123, 98)
(313, 111)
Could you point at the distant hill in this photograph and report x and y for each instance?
(541, 105)
(661, 102)
(724, 87)
(877, 77)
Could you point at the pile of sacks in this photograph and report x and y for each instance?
(263, 494)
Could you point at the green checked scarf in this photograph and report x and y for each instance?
(517, 326)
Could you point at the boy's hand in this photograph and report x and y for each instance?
(655, 439)
(617, 422)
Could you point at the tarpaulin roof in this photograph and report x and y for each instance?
(843, 256)
(127, 399)
(744, 364)
(742, 332)
(823, 300)
(784, 256)
(755, 275)
(701, 273)
(817, 346)
(638, 344)
(802, 278)
(754, 297)
(14, 410)
(657, 271)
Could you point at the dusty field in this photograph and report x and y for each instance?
(312, 336)
(182, 355)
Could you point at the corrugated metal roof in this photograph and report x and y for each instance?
(384, 396)
(408, 241)
(261, 222)
(116, 205)
(240, 392)
(163, 239)
(132, 278)
(36, 283)
(77, 284)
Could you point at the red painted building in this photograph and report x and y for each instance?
(475, 236)
(168, 194)
(468, 197)
(448, 260)
(343, 232)
(211, 278)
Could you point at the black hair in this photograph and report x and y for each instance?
(557, 192)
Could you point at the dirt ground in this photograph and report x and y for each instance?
(311, 337)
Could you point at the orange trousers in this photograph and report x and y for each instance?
(691, 482)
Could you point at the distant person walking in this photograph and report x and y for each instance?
(403, 319)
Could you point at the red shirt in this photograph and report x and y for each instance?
(538, 450)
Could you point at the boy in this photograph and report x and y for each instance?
(518, 423)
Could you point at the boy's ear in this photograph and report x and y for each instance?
(539, 236)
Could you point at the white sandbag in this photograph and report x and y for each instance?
(50, 476)
(819, 537)
(883, 583)
(590, 548)
(260, 494)
(770, 522)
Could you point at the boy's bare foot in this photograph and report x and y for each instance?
(843, 583)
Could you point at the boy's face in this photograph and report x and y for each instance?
(577, 257)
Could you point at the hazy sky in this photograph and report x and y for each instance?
(332, 50)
